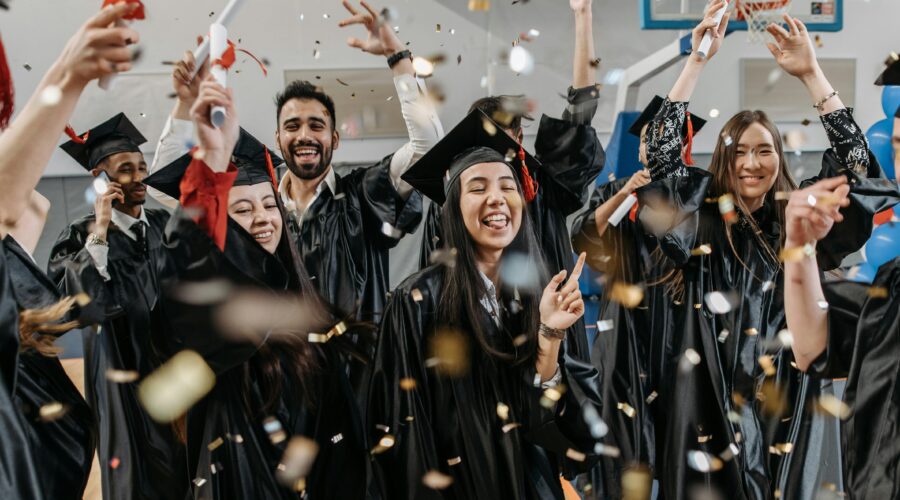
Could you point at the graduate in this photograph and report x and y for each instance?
(60, 424)
(467, 351)
(116, 256)
(276, 384)
(846, 329)
(570, 156)
(626, 352)
(738, 421)
(98, 48)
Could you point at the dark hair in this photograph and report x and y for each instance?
(463, 286)
(302, 89)
(507, 110)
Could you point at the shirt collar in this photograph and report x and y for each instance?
(125, 221)
(284, 189)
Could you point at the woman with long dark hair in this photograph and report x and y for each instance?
(273, 383)
(469, 347)
(738, 418)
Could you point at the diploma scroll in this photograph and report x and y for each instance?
(706, 42)
(623, 210)
(218, 44)
(202, 50)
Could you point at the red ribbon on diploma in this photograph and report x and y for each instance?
(228, 58)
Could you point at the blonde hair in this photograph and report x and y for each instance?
(38, 327)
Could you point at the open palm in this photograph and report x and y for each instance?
(793, 49)
(381, 38)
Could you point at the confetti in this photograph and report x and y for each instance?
(479, 5)
(384, 444)
(721, 302)
(767, 363)
(819, 42)
(596, 425)
(703, 462)
(408, 383)
(782, 195)
(575, 455)
(605, 325)
(723, 335)
(630, 296)
(325, 16)
(121, 376)
(503, 411)
(454, 461)
(517, 271)
(436, 480)
(688, 361)
(613, 76)
(215, 444)
(768, 285)
(510, 426)
(877, 292)
(726, 208)
(390, 231)
(437, 28)
(651, 397)
(751, 331)
(450, 349)
(174, 387)
(732, 451)
(52, 411)
(781, 448)
(202, 292)
(796, 254)
(423, 67)
(714, 113)
(114, 463)
(199, 481)
(452, 31)
(27, 67)
(520, 60)
(637, 482)
(606, 450)
(727, 140)
(552, 395)
(297, 460)
(785, 338)
(833, 406)
(273, 427)
(443, 257)
(704, 249)
(823, 305)
(627, 409)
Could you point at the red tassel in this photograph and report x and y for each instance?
(228, 58)
(138, 13)
(7, 92)
(529, 185)
(80, 139)
(689, 142)
(271, 169)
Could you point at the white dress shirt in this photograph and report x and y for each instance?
(100, 253)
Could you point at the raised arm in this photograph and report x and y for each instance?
(421, 119)
(583, 64)
(96, 50)
(28, 229)
(807, 223)
(690, 75)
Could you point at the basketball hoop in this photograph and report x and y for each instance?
(759, 15)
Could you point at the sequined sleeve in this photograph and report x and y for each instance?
(847, 139)
(664, 141)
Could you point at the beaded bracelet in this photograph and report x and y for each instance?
(819, 105)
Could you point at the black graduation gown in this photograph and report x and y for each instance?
(64, 447)
(630, 355)
(571, 157)
(703, 402)
(138, 457)
(451, 425)
(18, 470)
(244, 467)
(863, 345)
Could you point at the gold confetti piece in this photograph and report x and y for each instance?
(629, 296)
(702, 250)
(833, 406)
(723, 335)
(416, 295)
(703, 439)
(605, 325)
(299, 485)
(774, 401)
(410, 418)
(450, 349)
(273, 427)
(383, 428)
(796, 254)
(297, 461)
(237, 438)
(489, 127)
(726, 208)
(637, 482)
(732, 451)
(781, 448)
(510, 426)
(606, 450)
(520, 340)
(174, 387)
(384, 444)
(121, 376)
(575, 455)
(202, 292)
(215, 444)
(52, 411)
(437, 28)
(782, 195)
(819, 42)
(552, 395)
(436, 480)
(502, 411)
(698, 306)
(703, 462)
(82, 299)
(408, 383)
(317, 338)
(751, 332)
(652, 397)
(877, 292)
(454, 461)
(627, 409)
(767, 364)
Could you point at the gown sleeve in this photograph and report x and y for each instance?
(665, 142)
(404, 414)
(585, 238)
(387, 215)
(74, 271)
(582, 105)
(870, 191)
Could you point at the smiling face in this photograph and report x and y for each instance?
(129, 170)
(306, 137)
(256, 210)
(491, 206)
(756, 164)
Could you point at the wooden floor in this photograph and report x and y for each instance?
(75, 370)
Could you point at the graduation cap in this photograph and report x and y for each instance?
(476, 139)
(692, 125)
(116, 135)
(255, 164)
(891, 74)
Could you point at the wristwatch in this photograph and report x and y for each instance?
(93, 239)
(396, 57)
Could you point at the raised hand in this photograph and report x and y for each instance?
(811, 212)
(638, 179)
(103, 207)
(216, 144)
(561, 309)
(381, 41)
(580, 5)
(99, 48)
(709, 23)
(186, 89)
(793, 50)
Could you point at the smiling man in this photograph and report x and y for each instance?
(116, 256)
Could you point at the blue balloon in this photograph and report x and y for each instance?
(884, 245)
(890, 99)
(865, 273)
(879, 136)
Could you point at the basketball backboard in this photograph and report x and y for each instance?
(818, 15)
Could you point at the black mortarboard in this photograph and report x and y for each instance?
(476, 139)
(254, 161)
(116, 135)
(891, 74)
(650, 112)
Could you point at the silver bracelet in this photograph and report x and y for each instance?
(819, 105)
(552, 333)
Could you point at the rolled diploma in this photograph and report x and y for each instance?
(202, 50)
(622, 209)
(218, 43)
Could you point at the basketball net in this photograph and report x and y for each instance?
(759, 15)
